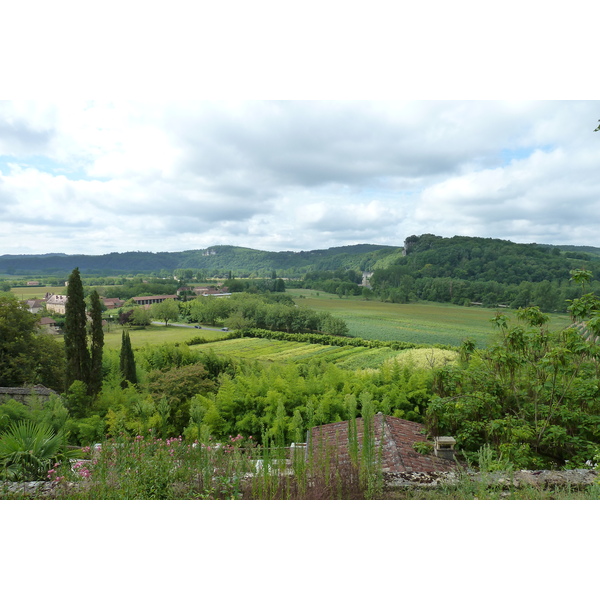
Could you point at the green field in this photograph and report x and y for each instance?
(25, 293)
(156, 334)
(269, 351)
(423, 323)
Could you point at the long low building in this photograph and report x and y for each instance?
(147, 300)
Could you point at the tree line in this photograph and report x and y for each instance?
(463, 270)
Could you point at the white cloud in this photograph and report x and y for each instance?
(98, 177)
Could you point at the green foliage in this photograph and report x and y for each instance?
(178, 386)
(28, 451)
(12, 411)
(78, 400)
(275, 312)
(489, 460)
(97, 344)
(425, 448)
(532, 399)
(462, 270)
(140, 317)
(89, 430)
(127, 361)
(27, 356)
(281, 400)
(167, 310)
(75, 338)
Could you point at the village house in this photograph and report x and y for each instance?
(56, 303)
(34, 305)
(111, 303)
(49, 324)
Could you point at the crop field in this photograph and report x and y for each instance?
(264, 350)
(423, 323)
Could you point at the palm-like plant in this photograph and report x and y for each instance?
(28, 450)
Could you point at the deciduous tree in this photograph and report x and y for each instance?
(27, 356)
(166, 311)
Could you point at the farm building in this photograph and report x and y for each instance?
(146, 301)
(111, 303)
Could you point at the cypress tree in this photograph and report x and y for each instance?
(127, 361)
(97, 344)
(76, 350)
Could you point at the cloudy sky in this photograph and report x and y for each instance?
(99, 177)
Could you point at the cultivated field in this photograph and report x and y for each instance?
(269, 351)
(25, 293)
(423, 323)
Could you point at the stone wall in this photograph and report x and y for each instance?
(575, 478)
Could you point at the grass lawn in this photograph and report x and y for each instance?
(154, 335)
(422, 323)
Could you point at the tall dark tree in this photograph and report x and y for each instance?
(127, 361)
(97, 344)
(76, 350)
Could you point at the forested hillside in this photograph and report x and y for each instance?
(467, 270)
(214, 262)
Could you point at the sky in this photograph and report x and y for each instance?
(96, 177)
(295, 126)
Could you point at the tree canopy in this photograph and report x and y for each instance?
(27, 355)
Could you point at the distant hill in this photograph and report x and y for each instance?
(582, 250)
(492, 272)
(487, 259)
(421, 256)
(216, 260)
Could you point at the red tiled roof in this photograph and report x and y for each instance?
(395, 437)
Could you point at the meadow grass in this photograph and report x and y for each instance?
(158, 334)
(422, 323)
(154, 335)
(25, 293)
